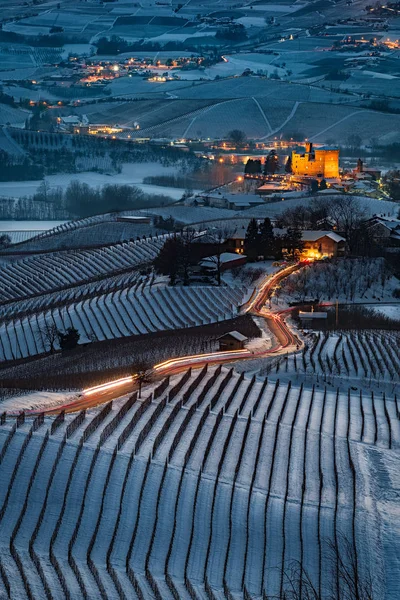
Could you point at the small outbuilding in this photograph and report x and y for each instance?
(233, 340)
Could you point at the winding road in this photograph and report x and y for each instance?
(286, 341)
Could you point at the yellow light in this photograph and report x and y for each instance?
(108, 386)
(209, 356)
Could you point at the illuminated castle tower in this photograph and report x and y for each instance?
(320, 162)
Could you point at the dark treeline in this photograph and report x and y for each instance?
(77, 200)
(118, 45)
(263, 242)
(18, 169)
(71, 149)
(58, 40)
(22, 209)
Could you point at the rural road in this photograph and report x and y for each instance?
(287, 341)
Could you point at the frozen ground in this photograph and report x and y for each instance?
(34, 401)
(389, 310)
(10, 226)
(132, 174)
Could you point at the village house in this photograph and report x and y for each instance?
(73, 123)
(318, 244)
(221, 199)
(226, 260)
(385, 231)
(233, 340)
(236, 240)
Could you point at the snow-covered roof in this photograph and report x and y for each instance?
(238, 235)
(329, 191)
(313, 236)
(75, 120)
(236, 335)
(225, 257)
(388, 223)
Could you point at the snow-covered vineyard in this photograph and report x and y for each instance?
(135, 310)
(345, 359)
(44, 273)
(210, 486)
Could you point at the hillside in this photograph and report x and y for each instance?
(210, 486)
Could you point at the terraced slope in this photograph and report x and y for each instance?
(208, 487)
(44, 273)
(131, 310)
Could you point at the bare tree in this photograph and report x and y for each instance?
(347, 214)
(349, 582)
(298, 584)
(50, 334)
(218, 239)
(143, 372)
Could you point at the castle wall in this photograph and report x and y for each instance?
(319, 163)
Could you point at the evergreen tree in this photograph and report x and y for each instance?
(322, 185)
(251, 242)
(271, 164)
(266, 238)
(253, 167)
(249, 167)
(293, 242)
(168, 260)
(288, 166)
(68, 339)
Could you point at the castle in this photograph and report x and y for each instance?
(320, 162)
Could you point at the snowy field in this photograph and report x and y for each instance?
(35, 401)
(389, 310)
(20, 231)
(212, 483)
(372, 206)
(10, 226)
(132, 174)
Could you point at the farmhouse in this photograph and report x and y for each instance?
(236, 240)
(73, 123)
(220, 199)
(322, 243)
(227, 260)
(320, 162)
(385, 231)
(233, 340)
